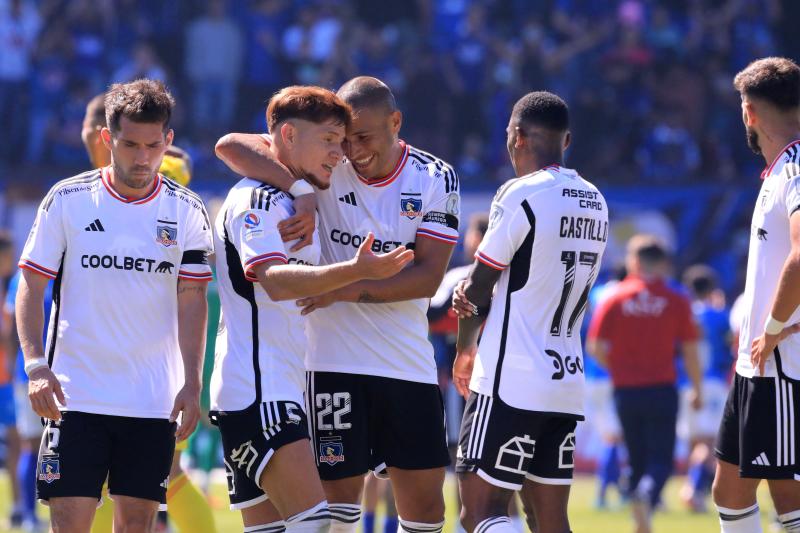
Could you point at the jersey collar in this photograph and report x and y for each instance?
(767, 171)
(134, 201)
(391, 176)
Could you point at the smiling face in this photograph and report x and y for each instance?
(314, 149)
(371, 141)
(136, 151)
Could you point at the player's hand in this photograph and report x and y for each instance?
(462, 370)
(462, 307)
(187, 403)
(695, 399)
(312, 303)
(380, 266)
(763, 346)
(42, 386)
(301, 225)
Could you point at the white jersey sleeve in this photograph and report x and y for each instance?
(47, 239)
(791, 195)
(508, 226)
(199, 244)
(254, 233)
(440, 218)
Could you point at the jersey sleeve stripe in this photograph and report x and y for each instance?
(488, 261)
(263, 258)
(195, 276)
(33, 267)
(423, 232)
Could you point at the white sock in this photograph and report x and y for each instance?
(739, 520)
(495, 524)
(271, 527)
(344, 517)
(790, 521)
(314, 520)
(406, 526)
(518, 523)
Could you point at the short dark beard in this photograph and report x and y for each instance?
(752, 140)
(123, 178)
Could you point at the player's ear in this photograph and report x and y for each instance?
(170, 137)
(567, 140)
(288, 133)
(519, 137)
(105, 136)
(749, 114)
(395, 121)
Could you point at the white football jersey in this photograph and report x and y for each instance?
(770, 245)
(113, 335)
(418, 199)
(260, 343)
(547, 233)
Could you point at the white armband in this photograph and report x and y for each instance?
(34, 364)
(774, 327)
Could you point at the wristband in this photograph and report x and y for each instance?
(35, 364)
(773, 327)
(300, 187)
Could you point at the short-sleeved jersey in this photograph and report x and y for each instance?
(643, 322)
(260, 343)
(547, 233)
(418, 199)
(770, 245)
(113, 338)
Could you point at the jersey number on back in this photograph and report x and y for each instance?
(568, 257)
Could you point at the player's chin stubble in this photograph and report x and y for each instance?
(752, 141)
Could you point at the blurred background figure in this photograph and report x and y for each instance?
(634, 333)
(376, 491)
(699, 427)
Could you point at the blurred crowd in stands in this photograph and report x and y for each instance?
(648, 81)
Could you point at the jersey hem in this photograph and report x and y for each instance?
(164, 415)
(559, 414)
(403, 376)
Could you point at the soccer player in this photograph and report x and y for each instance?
(186, 506)
(126, 335)
(699, 427)
(758, 437)
(524, 382)
(372, 391)
(257, 387)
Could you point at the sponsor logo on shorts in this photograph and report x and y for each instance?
(331, 450)
(566, 452)
(49, 469)
(515, 455)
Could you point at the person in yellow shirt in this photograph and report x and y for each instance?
(187, 507)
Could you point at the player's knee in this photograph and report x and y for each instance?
(314, 520)
(134, 523)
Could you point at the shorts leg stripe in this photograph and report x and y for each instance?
(784, 392)
(778, 421)
(792, 434)
(249, 503)
(473, 428)
(487, 414)
(312, 416)
(263, 421)
(261, 467)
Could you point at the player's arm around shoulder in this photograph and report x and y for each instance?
(290, 281)
(248, 154)
(435, 239)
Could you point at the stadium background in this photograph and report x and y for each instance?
(655, 121)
